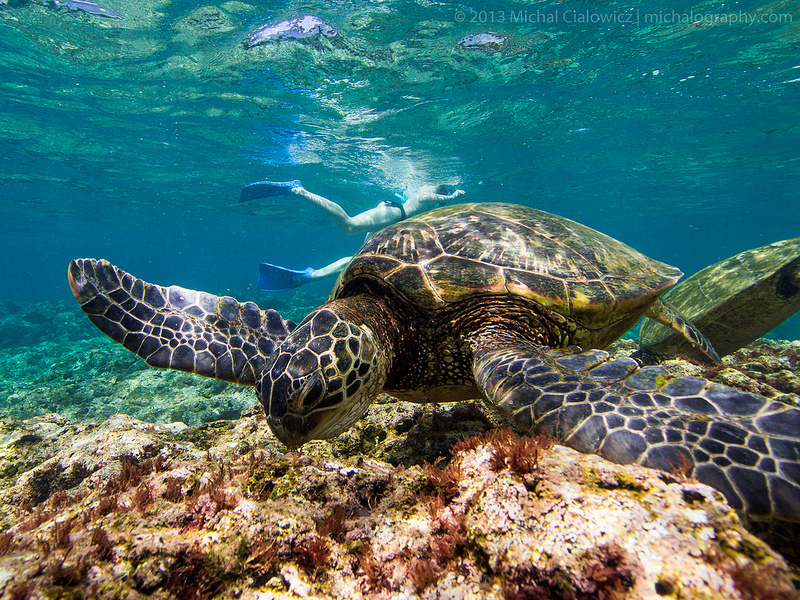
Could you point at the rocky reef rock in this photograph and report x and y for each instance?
(126, 509)
(767, 367)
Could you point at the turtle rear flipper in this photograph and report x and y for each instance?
(663, 312)
(744, 445)
(176, 328)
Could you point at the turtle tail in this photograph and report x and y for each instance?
(744, 445)
(176, 328)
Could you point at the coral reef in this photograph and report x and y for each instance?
(434, 501)
(126, 509)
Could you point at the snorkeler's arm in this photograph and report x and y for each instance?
(433, 196)
(426, 199)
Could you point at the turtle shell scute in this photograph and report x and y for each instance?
(448, 254)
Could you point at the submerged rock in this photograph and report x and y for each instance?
(126, 509)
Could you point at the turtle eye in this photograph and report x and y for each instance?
(313, 391)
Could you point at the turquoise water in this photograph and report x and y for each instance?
(673, 127)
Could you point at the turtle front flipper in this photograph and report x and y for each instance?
(176, 328)
(663, 312)
(744, 445)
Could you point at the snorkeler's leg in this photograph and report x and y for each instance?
(330, 208)
(274, 278)
(376, 218)
(331, 270)
(369, 220)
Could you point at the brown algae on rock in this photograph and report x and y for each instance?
(150, 513)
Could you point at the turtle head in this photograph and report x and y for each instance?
(321, 379)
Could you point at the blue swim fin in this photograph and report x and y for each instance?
(272, 278)
(264, 189)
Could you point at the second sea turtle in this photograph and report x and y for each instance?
(733, 302)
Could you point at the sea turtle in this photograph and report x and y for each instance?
(733, 302)
(466, 301)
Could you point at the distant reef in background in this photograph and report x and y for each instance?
(53, 360)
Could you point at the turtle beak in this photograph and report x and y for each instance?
(293, 430)
(288, 430)
(317, 385)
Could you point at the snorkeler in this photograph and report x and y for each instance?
(273, 278)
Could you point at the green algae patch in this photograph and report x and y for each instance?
(613, 480)
(204, 436)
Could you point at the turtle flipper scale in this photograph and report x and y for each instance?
(176, 328)
(744, 445)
